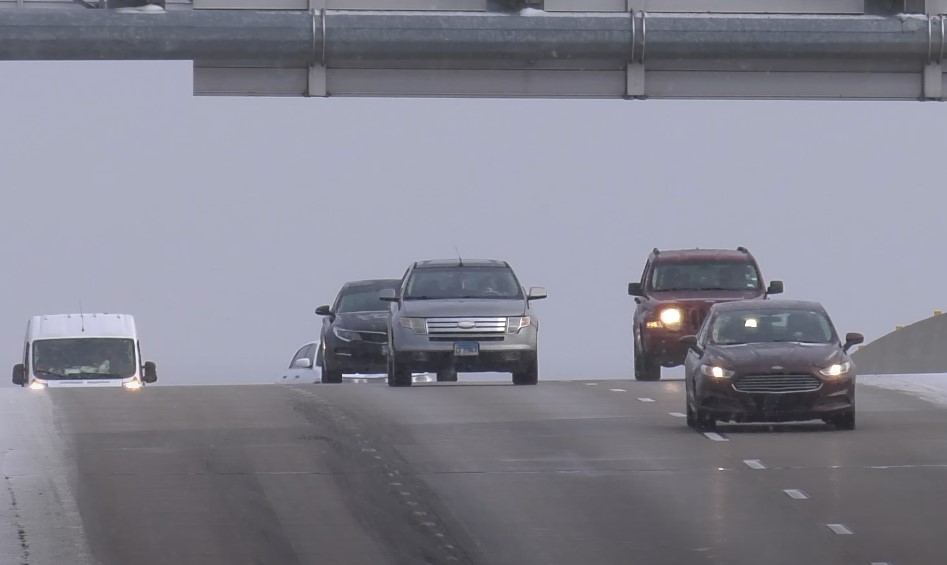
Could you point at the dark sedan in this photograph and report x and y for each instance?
(769, 361)
(355, 330)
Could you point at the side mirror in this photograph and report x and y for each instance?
(634, 289)
(19, 374)
(852, 339)
(691, 342)
(324, 311)
(775, 287)
(388, 295)
(303, 363)
(150, 372)
(537, 293)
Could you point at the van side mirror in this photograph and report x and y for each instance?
(691, 342)
(634, 289)
(775, 287)
(537, 293)
(388, 295)
(852, 339)
(19, 374)
(150, 373)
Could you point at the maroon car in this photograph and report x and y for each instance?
(769, 361)
(676, 290)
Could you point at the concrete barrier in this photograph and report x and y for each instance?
(915, 349)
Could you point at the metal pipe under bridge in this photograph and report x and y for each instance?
(528, 53)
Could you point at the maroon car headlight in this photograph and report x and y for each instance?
(667, 318)
(837, 369)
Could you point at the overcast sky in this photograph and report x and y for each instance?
(221, 223)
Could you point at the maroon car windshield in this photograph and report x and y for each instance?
(705, 275)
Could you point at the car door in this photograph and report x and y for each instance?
(692, 360)
(294, 374)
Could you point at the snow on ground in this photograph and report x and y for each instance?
(39, 519)
(930, 387)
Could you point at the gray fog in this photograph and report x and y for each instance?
(221, 223)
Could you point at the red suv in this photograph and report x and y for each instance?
(677, 289)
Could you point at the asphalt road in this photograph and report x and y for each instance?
(577, 473)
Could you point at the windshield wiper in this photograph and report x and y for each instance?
(424, 298)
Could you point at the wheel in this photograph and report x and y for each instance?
(691, 416)
(529, 375)
(447, 376)
(845, 421)
(397, 375)
(646, 369)
(704, 421)
(333, 377)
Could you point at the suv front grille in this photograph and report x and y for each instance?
(445, 329)
(777, 383)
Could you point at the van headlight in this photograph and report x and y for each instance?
(37, 385)
(836, 370)
(134, 384)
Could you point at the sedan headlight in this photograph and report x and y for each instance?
(514, 325)
(716, 372)
(836, 370)
(346, 335)
(417, 325)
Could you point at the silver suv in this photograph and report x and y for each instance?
(462, 316)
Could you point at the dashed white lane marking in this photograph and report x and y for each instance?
(796, 494)
(715, 436)
(840, 529)
(754, 464)
(617, 390)
(646, 399)
(678, 414)
(591, 384)
(880, 563)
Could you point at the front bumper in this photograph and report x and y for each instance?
(717, 398)
(664, 346)
(356, 356)
(502, 353)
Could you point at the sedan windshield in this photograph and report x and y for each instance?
(80, 358)
(771, 326)
(362, 301)
(463, 282)
(705, 275)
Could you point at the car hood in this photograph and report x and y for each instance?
(709, 296)
(364, 321)
(468, 308)
(765, 356)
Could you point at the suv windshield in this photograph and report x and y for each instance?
(361, 301)
(81, 357)
(462, 282)
(705, 275)
(771, 326)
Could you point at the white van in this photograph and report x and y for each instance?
(83, 350)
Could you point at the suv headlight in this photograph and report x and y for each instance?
(346, 335)
(514, 325)
(716, 372)
(667, 318)
(417, 325)
(836, 370)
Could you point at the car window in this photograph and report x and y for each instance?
(463, 282)
(705, 275)
(361, 301)
(803, 326)
(299, 355)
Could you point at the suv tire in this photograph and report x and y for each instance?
(398, 375)
(646, 369)
(447, 376)
(529, 375)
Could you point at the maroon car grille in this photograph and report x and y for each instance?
(777, 383)
(693, 318)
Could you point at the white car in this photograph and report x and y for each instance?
(306, 367)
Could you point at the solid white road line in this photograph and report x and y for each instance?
(840, 529)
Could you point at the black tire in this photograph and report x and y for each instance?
(845, 421)
(691, 416)
(646, 368)
(447, 376)
(330, 377)
(529, 375)
(398, 375)
(703, 421)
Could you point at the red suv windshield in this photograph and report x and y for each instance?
(705, 275)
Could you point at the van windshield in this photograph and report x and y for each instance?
(80, 358)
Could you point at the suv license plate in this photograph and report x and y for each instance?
(466, 349)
